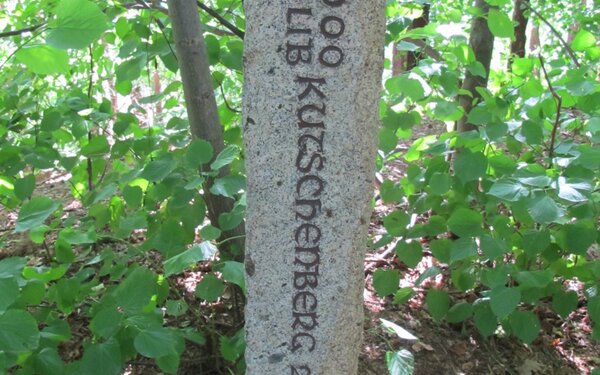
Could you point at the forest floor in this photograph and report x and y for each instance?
(564, 347)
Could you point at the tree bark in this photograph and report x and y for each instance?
(481, 41)
(517, 46)
(413, 57)
(202, 110)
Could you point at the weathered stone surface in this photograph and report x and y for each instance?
(311, 99)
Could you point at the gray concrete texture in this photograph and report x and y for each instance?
(311, 97)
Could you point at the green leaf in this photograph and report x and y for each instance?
(51, 121)
(594, 309)
(390, 192)
(34, 213)
(24, 187)
(134, 293)
(386, 282)
(78, 23)
(96, 147)
(133, 195)
(232, 347)
(233, 272)
(48, 362)
(465, 222)
(535, 279)
(225, 157)
(439, 183)
(158, 169)
(102, 359)
(210, 288)
(12, 267)
(183, 261)
(459, 312)
(209, 233)
(470, 166)
(583, 40)
(18, 332)
(45, 274)
(387, 140)
(158, 342)
(9, 293)
(441, 249)
(400, 363)
(438, 303)
(396, 223)
(535, 242)
(500, 24)
(577, 237)
(410, 87)
(107, 322)
(403, 295)
(504, 301)
(392, 327)
(485, 320)
(533, 132)
(409, 253)
(564, 302)
(199, 152)
(544, 210)
(228, 186)
(525, 325)
(491, 247)
(44, 60)
(462, 249)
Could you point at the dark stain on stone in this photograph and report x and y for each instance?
(328, 213)
(276, 358)
(279, 183)
(249, 265)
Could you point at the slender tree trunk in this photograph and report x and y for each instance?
(202, 108)
(534, 39)
(413, 57)
(157, 91)
(398, 61)
(481, 41)
(517, 46)
(574, 28)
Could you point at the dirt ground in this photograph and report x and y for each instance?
(563, 348)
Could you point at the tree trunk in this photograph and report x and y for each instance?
(534, 39)
(517, 46)
(481, 41)
(202, 110)
(413, 57)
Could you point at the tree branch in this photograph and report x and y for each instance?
(555, 32)
(221, 20)
(7, 34)
(558, 110)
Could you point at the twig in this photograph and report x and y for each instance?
(160, 24)
(555, 32)
(19, 48)
(90, 86)
(221, 20)
(226, 102)
(558, 109)
(7, 34)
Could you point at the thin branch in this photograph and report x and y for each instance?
(160, 24)
(7, 34)
(221, 20)
(558, 110)
(31, 38)
(555, 32)
(226, 102)
(90, 86)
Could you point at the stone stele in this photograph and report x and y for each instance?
(311, 101)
